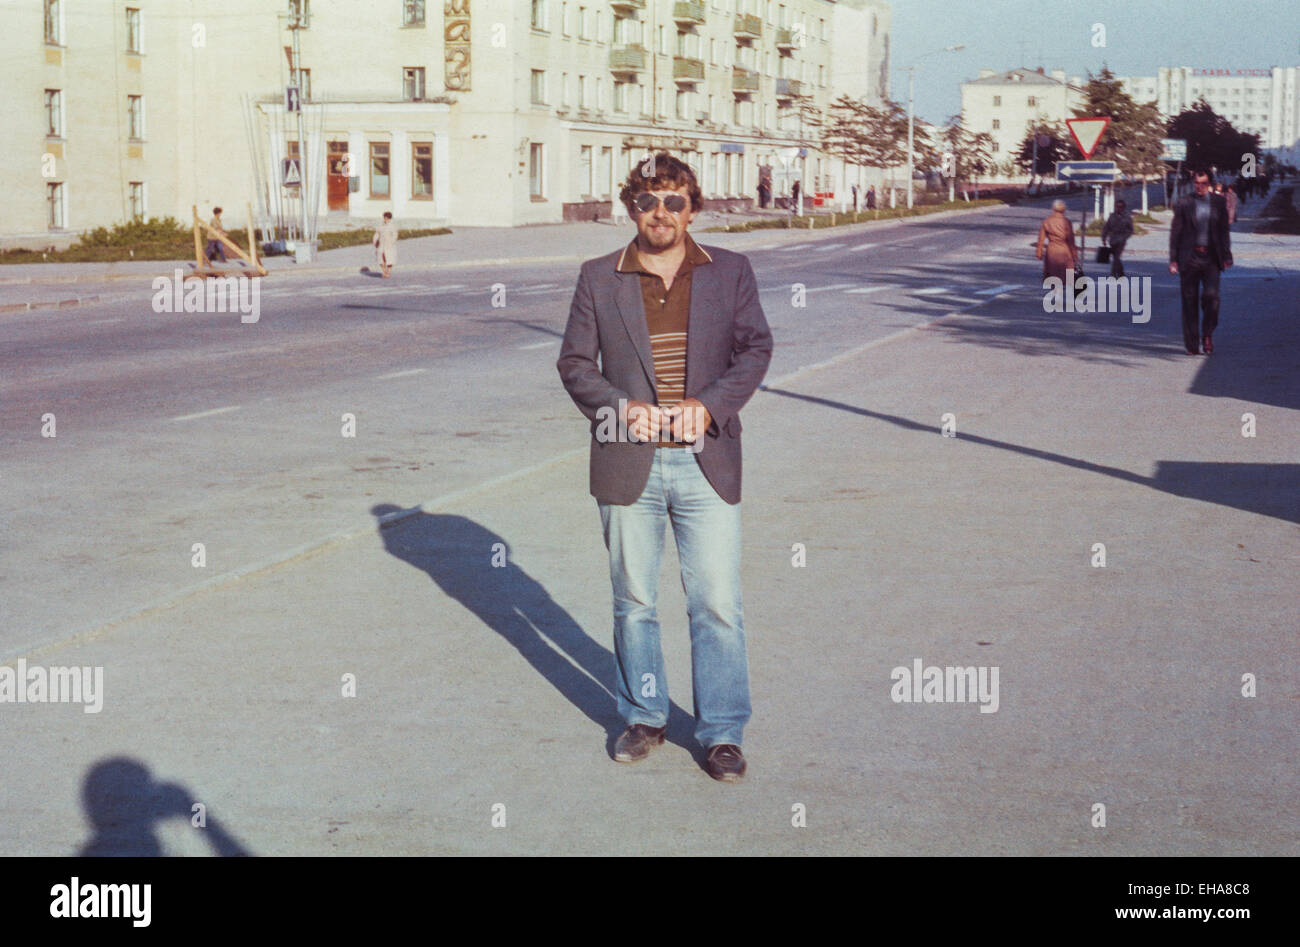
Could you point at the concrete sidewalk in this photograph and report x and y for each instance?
(483, 691)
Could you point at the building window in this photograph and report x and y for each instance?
(133, 31)
(413, 83)
(997, 123)
(582, 92)
(304, 85)
(413, 13)
(537, 87)
(564, 18)
(582, 23)
(54, 200)
(536, 170)
(53, 113)
(379, 169)
(422, 170)
(54, 23)
(584, 171)
(136, 195)
(1033, 102)
(605, 171)
(713, 51)
(539, 14)
(600, 93)
(300, 10)
(620, 96)
(821, 75)
(997, 100)
(135, 117)
(995, 148)
(683, 104)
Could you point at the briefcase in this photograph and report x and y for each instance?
(1103, 254)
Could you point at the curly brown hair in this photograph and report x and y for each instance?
(658, 173)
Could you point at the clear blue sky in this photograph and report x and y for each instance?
(1141, 35)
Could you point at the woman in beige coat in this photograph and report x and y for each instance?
(386, 244)
(1058, 236)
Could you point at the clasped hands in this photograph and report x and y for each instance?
(684, 423)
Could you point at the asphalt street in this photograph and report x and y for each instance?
(479, 686)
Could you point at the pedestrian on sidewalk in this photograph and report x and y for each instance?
(216, 250)
(1230, 198)
(676, 455)
(1056, 236)
(871, 197)
(1117, 231)
(854, 189)
(794, 197)
(1199, 250)
(385, 243)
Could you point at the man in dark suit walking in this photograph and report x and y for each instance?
(665, 342)
(1199, 251)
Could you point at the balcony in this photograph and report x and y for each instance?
(689, 13)
(790, 88)
(744, 81)
(785, 41)
(627, 60)
(628, 6)
(686, 69)
(748, 27)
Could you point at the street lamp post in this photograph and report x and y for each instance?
(911, 118)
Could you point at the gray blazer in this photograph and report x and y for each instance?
(728, 347)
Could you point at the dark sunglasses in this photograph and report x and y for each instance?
(646, 202)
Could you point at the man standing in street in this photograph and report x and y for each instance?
(668, 339)
(1199, 250)
(1118, 229)
(215, 249)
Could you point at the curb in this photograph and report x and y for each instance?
(50, 304)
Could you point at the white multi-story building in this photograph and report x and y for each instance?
(1007, 104)
(1263, 102)
(487, 112)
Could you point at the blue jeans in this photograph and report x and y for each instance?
(707, 531)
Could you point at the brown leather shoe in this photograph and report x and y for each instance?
(636, 742)
(726, 763)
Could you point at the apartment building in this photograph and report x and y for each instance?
(467, 112)
(1006, 104)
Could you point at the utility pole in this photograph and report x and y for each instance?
(911, 70)
(303, 253)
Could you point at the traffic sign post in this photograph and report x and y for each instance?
(1087, 172)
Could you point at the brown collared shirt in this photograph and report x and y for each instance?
(667, 313)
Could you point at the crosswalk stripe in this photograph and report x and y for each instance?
(997, 290)
(863, 246)
(868, 289)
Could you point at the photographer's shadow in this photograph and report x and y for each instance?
(125, 805)
(459, 555)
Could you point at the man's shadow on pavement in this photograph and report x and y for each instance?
(124, 805)
(458, 554)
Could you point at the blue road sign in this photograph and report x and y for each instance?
(1087, 172)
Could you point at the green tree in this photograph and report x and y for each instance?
(1212, 141)
(1132, 140)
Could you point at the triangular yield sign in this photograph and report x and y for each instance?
(1087, 133)
(291, 175)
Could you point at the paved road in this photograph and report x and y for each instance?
(480, 686)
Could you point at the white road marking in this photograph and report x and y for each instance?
(206, 414)
(403, 374)
(819, 289)
(104, 322)
(828, 246)
(868, 289)
(997, 290)
(540, 292)
(932, 291)
(863, 246)
(794, 246)
(538, 345)
(536, 286)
